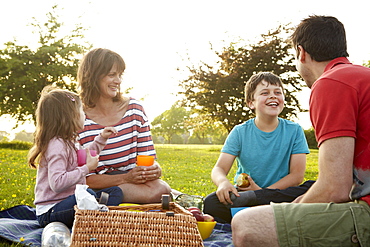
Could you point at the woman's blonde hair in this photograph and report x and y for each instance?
(57, 115)
(96, 64)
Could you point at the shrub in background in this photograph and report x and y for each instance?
(311, 139)
(17, 145)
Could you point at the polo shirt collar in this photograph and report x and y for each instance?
(336, 61)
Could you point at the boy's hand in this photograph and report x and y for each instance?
(223, 192)
(91, 161)
(108, 131)
(252, 185)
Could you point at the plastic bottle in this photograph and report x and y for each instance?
(56, 234)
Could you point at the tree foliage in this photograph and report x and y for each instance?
(170, 123)
(367, 64)
(218, 91)
(24, 71)
(203, 128)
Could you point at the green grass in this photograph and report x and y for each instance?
(185, 168)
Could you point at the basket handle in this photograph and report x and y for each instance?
(104, 198)
(165, 202)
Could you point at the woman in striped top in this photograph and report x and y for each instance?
(99, 78)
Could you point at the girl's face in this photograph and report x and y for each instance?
(82, 118)
(268, 100)
(110, 84)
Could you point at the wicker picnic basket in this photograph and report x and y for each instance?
(148, 225)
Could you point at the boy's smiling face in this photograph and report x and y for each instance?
(268, 99)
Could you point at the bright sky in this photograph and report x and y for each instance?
(154, 36)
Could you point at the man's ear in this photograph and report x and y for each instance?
(301, 54)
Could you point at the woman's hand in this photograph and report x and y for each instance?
(223, 192)
(142, 174)
(108, 131)
(152, 172)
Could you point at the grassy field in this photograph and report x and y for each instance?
(186, 168)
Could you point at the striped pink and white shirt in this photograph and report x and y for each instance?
(133, 138)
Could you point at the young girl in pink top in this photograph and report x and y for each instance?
(59, 116)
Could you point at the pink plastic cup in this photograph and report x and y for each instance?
(81, 156)
(144, 160)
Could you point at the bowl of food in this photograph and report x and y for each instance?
(205, 228)
(206, 223)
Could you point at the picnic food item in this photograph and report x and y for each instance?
(242, 180)
(205, 222)
(196, 213)
(199, 216)
(187, 201)
(208, 218)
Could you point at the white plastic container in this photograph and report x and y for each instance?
(56, 234)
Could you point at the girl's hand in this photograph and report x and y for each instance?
(108, 131)
(223, 192)
(91, 161)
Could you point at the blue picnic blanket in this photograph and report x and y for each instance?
(19, 224)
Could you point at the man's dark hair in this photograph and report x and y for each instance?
(323, 37)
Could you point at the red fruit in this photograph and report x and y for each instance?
(194, 209)
(242, 180)
(198, 215)
(208, 218)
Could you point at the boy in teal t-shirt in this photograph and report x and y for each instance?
(271, 150)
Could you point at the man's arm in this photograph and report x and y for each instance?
(335, 178)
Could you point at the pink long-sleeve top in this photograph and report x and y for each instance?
(58, 172)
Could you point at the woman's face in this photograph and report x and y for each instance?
(82, 117)
(110, 84)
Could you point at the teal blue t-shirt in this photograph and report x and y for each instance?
(265, 156)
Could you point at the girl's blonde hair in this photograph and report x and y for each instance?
(96, 64)
(57, 115)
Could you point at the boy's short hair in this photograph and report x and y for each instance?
(254, 80)
(323, 37)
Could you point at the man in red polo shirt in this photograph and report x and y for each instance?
(335, 210)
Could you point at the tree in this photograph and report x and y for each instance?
(24, 72)
(219, 90)
(24, 136)
(4, 136)
(203, 128)
(170, 122)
